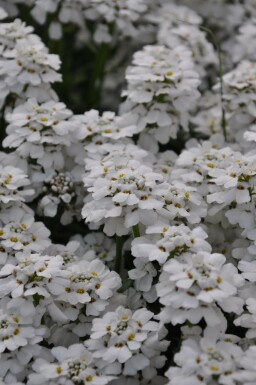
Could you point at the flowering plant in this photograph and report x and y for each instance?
(127, 192)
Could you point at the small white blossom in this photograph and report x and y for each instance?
(212, 359)
(103, 247)
(246, 373)
(180, 25)
(19, 231)
(13, 185)
(165, 241)
(162, 88)
(191, 286)
(70, 366)
(84, 282)
(124, 188)
(30, 64)
(126, 15)
(17, 331)
(30, 276)
(110, 126)
(126, 337)
(33, 125)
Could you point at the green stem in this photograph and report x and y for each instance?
(98, 74)
(118, 259)
(136, 231)
(217, 47)
(223, 118)
(126, 285)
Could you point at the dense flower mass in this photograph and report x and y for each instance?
(162, 89)
(213, 359)
(127, 192)
(132, 339)
(190, 283)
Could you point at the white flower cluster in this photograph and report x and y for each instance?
(72, 365)
(162, 89)
(181, 26)
(161, 243)
(192, 286)
(213, 359)
(239, 90)
(27, 68)
(128, 228)
(129, 338)
(13, 181)
(128, 16)
(42, 134)
(124, 193)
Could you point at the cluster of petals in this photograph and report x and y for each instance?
(148, 274)
(72, 365)
(129, 338)
(213, 359)
(161, 89)
(192, 285)
(26, 66)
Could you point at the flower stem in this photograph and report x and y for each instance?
(223, 118)
(217, 47)
(126, 285)
(118, 259)
(98, 74)
(136, 231)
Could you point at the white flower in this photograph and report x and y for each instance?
(164, 164)
(239, 101)
(126, 15)
(27, 69)
(124, 189)
(13, 182)
(182, 201)
(246, 373)
(162, 87)
(3, 14)
(39, 12)
(16, 30)
(237, 181)
(143, 274)
(214, 357)
(104, 247)
(225, 177)
(180, 25)
(191, 286)
(208, 119)
(69, 252)
(248, 318)
(13, 364)
(110, 126)
(71, 365)
(30, 276)
(30, 64)
(19, 231)
(234, 188)
(16, 331)
(174, 14)
(187, 218)
(196, 162)
(165, 241)
(35, 125)
(120, 337)
(59, 191)
(84, 282)
(220, 15)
